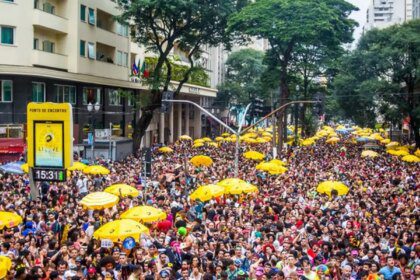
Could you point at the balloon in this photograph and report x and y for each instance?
(182, 231)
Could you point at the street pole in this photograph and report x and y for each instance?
(296, 123)
(92, 131)
(110, 144)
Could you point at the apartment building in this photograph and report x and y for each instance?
(74, 51)
(384, 13)
(416, 9)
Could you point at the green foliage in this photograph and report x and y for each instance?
(381, 76)
(244, 69)
(198, 75)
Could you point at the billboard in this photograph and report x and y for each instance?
(50, 135)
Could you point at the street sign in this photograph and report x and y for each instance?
(147, 162)
(50, 135)
(166, 106)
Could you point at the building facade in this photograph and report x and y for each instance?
(384, 13)
(416, 9)
(74, 51)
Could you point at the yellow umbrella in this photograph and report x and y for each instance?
(77, 166)
(386, 141)
(201, 160)
(165, 150)
(241, 188)
(392, 144)
(333, 140)
(96, 170)
(398, 153)
(327, 186)
(122, 190)
(230, 182)
(218, 139)
(144, 214)
(250, 140)
(9, 219)
(272, 168)
(207, 192)
(254, 155)
(201, 141)
(25, 167)
(417, 153)
(369, 153)
(261, 140)
(99, 200)
(119, 230)
(308, 142)
(278, 162)
(198, 145)
(5, 266)
(185, 137)
(206, 139)
(213, 144)
(411, 158)
(225, 134)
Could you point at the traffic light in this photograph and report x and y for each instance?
(258, 107)
(166, 106)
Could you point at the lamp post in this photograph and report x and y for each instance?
(92, 109)
(296, 115)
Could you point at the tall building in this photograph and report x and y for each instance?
(416, 9)
(74, 51)
(384, 13)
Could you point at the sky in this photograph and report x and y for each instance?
(359, 16)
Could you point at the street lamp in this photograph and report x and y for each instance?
(296, 115)
(92, 109)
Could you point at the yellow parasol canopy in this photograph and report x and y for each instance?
(212, 144)
(25, 167)
(218, 139)
(5, 266)
(417, 153)
(237, 186)
(185, 137)
(201, 160)
(77, 166)
(9, 219)
(392, 144)
(327, 186)
(225, 134)
(278, 162)
(122, 190)
(207, 192)
(96, 170)
(333, 140)
(386, 141)
(165, 150)
(254, 155)
(369, 153)
(272, 168)
(411, 158)
(144, 214)
(119, 230)
(398, 152)
(206, 139)
(198, 145)
(230, 182)
(99, 200)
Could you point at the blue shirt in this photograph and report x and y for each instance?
(388, 273)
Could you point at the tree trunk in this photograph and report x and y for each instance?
(415, 127)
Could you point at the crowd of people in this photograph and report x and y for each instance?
(285, 231)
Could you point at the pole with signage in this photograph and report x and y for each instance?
(49, 142)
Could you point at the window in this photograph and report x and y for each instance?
(91, 16)
(91, 50)
(47, 7)
(122, 29)
(65, 94)
(91, 95)
(48, 46)
(114, 97)
(6, 88)
(82, 12)
(119, 58)
(130, 99)
(36, 4)
(10, 1)
(125, 59)
(36, 44)
(82, 48)
(7, 35)
(38, 92)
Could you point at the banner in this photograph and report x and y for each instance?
(49, 144)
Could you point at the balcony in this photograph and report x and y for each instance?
(47, 59)
(50, 21)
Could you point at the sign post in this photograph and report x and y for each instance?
(49, 141)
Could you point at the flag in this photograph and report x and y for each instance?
(144, 70)
(135, 69)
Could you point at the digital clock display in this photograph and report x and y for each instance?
(49, 174)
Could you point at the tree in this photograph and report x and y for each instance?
(291, 26)
(244, 69)
(161, 26)
(384, 71)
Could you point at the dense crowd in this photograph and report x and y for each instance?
(285, 231)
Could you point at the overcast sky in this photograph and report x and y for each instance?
(359, 16)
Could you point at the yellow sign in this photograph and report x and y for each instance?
(50, 135)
